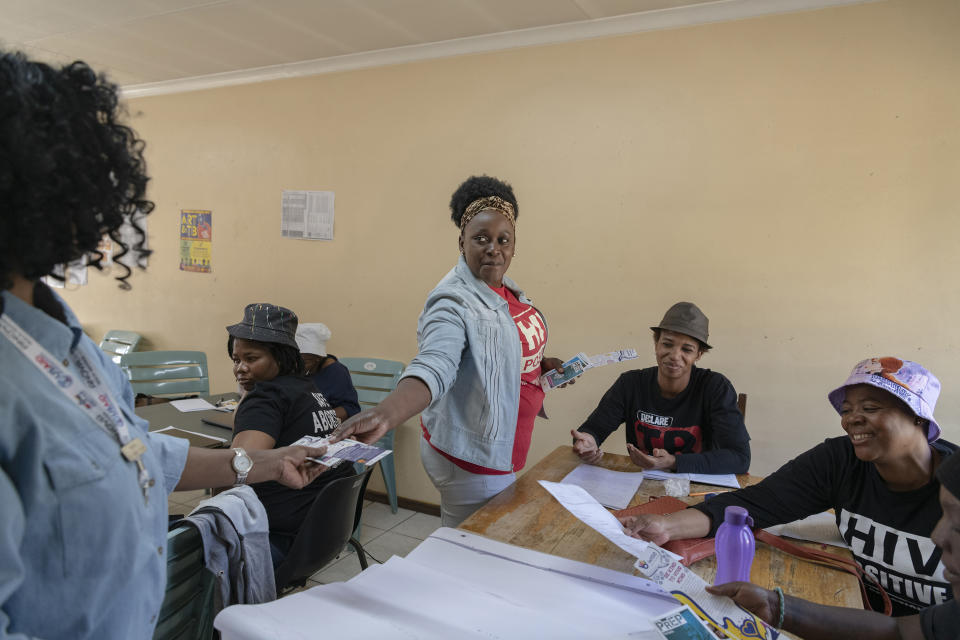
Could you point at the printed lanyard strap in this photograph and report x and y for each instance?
(88, 391)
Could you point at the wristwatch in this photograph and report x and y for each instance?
(241, 464)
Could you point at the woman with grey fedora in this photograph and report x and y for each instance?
(476, 375)
(879, 479)
(679, 417)
(280, 405)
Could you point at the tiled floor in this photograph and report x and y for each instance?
(382, 534)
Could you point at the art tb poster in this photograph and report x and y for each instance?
(196, 233)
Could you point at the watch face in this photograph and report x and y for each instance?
(242, 463)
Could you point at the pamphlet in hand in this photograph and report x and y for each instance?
(572, 368)
(344, 451)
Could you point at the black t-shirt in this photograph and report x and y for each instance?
(888, 532)
(941, 622)
(701, 425)
(288, 408)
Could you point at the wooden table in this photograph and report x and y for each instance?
(527, 516)
(164, 415)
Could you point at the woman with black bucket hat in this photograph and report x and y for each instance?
(679, 417)
(280, 405)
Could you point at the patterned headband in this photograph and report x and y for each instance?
(496, 203)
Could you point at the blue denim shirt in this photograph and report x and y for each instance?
(470, 359)
(81, 555)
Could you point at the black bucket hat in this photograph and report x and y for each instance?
(266, 322)
(686, 318)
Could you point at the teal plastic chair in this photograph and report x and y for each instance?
(374, 379)
(116, 343)
(155, 373)
(187, 609)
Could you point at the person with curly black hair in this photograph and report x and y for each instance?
(83, 485)
(476, 376)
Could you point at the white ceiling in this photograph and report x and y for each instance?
(155, 46)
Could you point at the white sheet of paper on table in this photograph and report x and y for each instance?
(614, 489)
(586, 509)
(457, 584)
(192, 404)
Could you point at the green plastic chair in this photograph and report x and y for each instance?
(116, 343)
(374, 379)
(155, 373)
(187, 609)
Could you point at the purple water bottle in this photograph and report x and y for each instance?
(735, 546)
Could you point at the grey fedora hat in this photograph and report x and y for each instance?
(686, 318)
(266, 322)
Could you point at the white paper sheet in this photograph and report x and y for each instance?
(820, 527)
(582, 505)
(720, 480)
(307, 214)
(612, 489)
(196, 433)
(456, 585)
(192, 404)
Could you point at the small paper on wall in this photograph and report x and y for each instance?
(307, 215)
(196, 234)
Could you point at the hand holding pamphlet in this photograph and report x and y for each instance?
(344, 451)
(579, 363)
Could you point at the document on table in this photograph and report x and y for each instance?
(192, 404)
(582, 505)
(196, 439)
(720, 480)
(614, 489)
(663, 567)
(456, 584)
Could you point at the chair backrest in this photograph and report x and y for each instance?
(325, 531)
(187, 609)
(742, 404)
(116, 343)
(166, 372)
(373, 379)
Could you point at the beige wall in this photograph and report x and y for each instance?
(795, 175)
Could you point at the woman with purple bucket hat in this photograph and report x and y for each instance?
(879, 479)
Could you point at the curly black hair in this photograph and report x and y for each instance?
(69, 171)
(288, 358)
(476, 187)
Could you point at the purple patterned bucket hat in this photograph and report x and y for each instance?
(907, 380)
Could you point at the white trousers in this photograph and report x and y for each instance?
(461, 492)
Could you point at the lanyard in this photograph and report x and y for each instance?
(88, 391)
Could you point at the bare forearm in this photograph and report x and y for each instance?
(688, 523)
(409, 398)
(820, 622)
(207, 468)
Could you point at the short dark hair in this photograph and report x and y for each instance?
(289, 360)
(476, 187)
(704, 347)
(69, 171)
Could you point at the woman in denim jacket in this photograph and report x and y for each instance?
(475, 378)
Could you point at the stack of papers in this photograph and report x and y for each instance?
(457, 584)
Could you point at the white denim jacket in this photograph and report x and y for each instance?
(470, 359)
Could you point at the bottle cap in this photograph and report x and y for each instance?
(737, 516)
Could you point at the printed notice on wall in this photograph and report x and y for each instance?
(196, 233)
(307, 214)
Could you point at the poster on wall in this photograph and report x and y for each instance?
(196, 233)
(307, 215)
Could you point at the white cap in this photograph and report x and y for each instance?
(312, 338)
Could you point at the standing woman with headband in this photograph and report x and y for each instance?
(475, 377)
